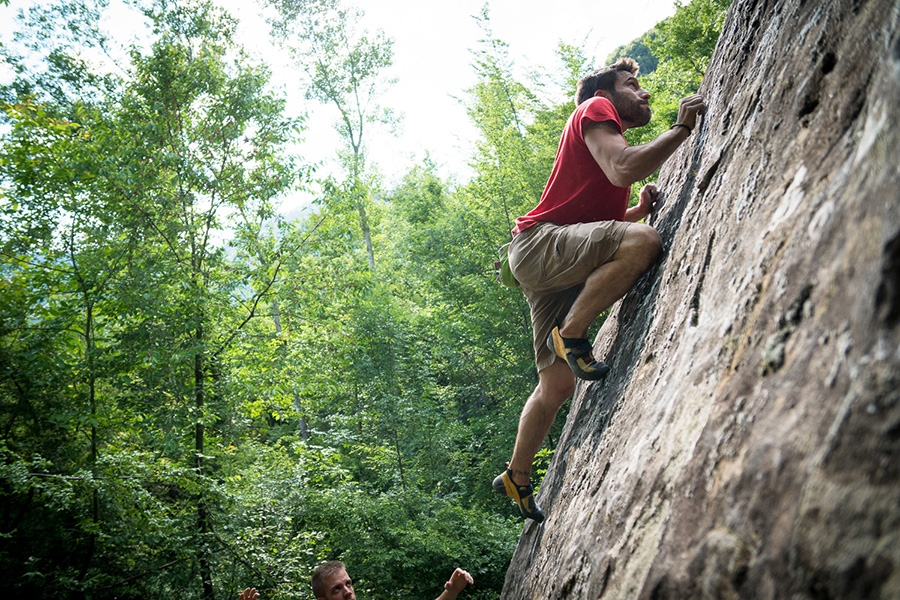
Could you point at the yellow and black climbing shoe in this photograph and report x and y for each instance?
(522, 494)
(577, 352)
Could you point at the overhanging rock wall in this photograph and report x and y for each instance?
(747, 444)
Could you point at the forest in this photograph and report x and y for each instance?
(199, 394)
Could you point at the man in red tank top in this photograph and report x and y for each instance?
(581, 248)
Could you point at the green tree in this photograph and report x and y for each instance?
(213, 138)
(346, 66)
(639, 50)
(117, 198)
(66, 241)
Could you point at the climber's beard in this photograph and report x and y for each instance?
(632, 111)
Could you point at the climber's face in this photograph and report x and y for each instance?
(632, 102)
(339, 587)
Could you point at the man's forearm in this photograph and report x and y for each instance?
(635, 214)
(624, 164)
(635, 163)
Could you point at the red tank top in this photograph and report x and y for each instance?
(578, 190)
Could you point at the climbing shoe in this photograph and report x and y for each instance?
(577, 352)
(522, 494)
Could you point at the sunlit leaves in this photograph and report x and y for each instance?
(122, 298)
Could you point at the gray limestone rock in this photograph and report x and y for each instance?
(747, 443)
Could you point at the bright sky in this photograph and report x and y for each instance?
(433, 43)
(434, 40)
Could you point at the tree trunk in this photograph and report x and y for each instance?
(203, 523)
(301, 423)
(92, 408)
(367, 235)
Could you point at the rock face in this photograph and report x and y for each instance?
(747, 444)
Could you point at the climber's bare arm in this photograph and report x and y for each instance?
(624, 164)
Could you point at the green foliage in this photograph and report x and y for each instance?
(108, 242)
(688, 38)
(639, 50)
(298, 507)
(684, 45)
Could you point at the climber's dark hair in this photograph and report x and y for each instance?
(604, 79)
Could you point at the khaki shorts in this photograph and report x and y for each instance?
(552, 262)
